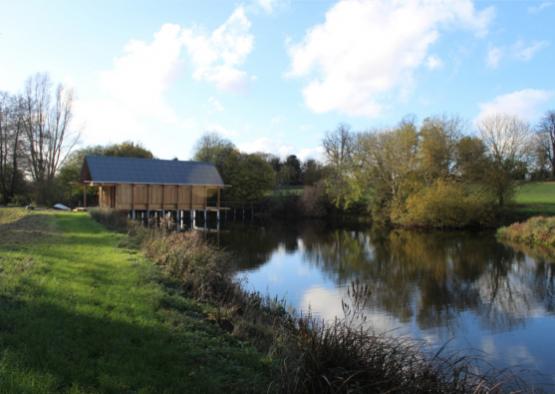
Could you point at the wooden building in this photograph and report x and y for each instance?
(146, 186)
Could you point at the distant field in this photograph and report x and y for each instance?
(535, 198)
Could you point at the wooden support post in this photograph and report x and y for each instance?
(162, 207)
(84, 195)
(219, 197)
(193, 218)
(133, 199)
(147, 202)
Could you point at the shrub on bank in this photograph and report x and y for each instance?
(449, 205)
(536, 231)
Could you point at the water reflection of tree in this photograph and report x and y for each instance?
(432, 277)
(251, 246)
(435, 276)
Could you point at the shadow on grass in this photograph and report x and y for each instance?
(47, 349)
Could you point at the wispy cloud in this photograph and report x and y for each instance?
(521, 51)
(525, 52)
(494, 57)
(536, 9)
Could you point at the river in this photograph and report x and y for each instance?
(463, 289)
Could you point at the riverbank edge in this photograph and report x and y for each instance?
(310, 355)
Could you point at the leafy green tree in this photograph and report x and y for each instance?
(470, 159)
(69, 176)
(127, 149)
(341, 184)
(250, 176)
(294, 165)
(212, 148)
(436, 148)
(387, 162)
(312, 172)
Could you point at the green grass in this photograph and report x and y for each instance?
(535, 198)
(78, 314)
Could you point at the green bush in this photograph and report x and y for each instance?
(447, 204)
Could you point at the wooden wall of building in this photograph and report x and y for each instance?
(158, 197)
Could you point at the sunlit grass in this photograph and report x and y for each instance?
(535, 198)
(80, 314)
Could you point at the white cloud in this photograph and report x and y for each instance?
(219, 129)
(536, 9)
(267, 5)
(217, 56)
(494, 57)
(131, 101)
(215, 105)
(365, 53)
(525, 52)
(142, 75)
(268, 145)
(316, 153)
(527, 104)
(521, 50)
(433, 62)
(132, 93)
(280, 149)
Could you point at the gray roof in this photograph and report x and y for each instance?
(108, 169)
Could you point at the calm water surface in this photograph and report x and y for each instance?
(461, 287)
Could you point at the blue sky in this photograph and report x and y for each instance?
(275, 75)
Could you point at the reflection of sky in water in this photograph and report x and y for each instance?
(515, 329)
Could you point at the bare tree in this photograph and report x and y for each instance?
(11, 136)
(508, 141)
(47, 128)
(546, 139)
(506, 137)
(339, 146)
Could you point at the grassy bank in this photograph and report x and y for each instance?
(535, 198)
(79, 314)
(535, 235)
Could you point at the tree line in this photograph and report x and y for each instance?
(437, 173)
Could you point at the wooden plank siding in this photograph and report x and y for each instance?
(184, 197)
(158, 197)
